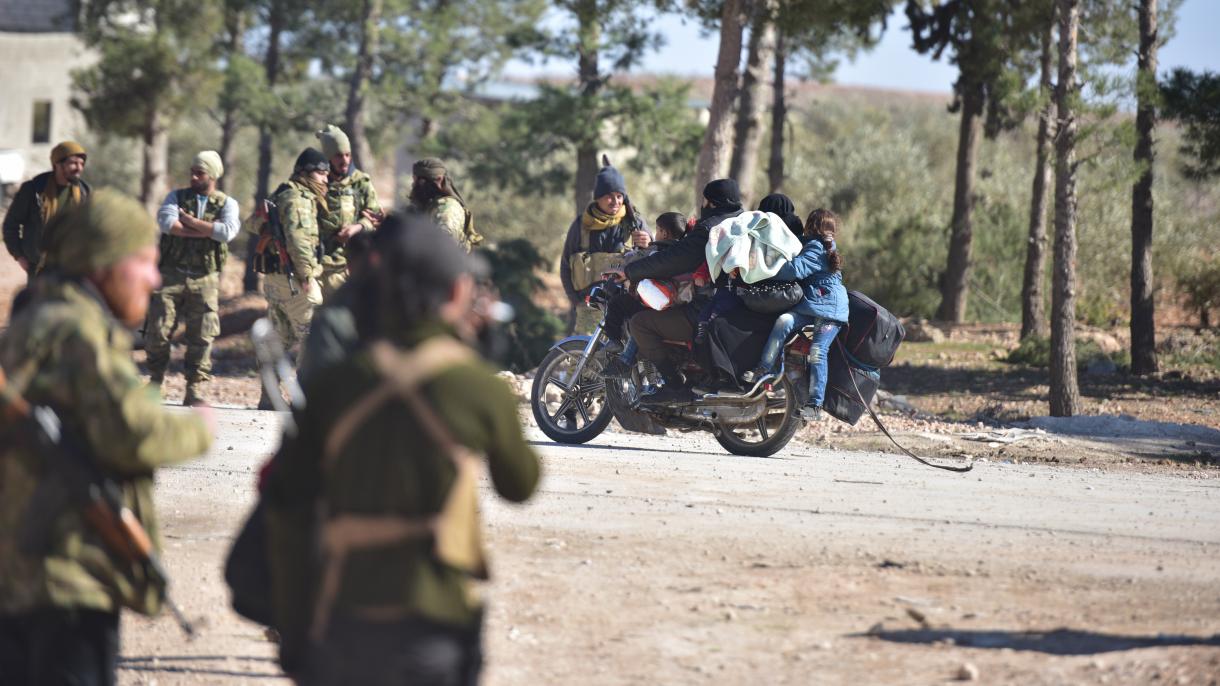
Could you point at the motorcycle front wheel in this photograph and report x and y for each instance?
(570, 410)
(772, 431)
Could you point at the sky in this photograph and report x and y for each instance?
(892, 63)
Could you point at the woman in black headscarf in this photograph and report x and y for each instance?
(782, 205)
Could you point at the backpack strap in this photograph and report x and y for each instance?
(455, 542)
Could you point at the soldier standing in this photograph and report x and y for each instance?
(39, 200)
(433, 193)
(69, 349)
(352, 207)
(300, 203)
(387, 449)
(196, 224)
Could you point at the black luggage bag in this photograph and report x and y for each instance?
(842, 401)
(872, 334)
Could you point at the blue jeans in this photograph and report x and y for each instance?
(823, 336)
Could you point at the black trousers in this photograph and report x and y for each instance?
(622, 307)
(410, 652)
(651, 328)
(59, 647)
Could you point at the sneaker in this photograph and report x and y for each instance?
(753, 375)
(811, 413)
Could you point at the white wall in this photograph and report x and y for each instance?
(38, 66)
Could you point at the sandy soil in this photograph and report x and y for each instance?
(646, 560)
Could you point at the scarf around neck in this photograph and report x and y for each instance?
(595, 220)
(317, 188)
(50, 198)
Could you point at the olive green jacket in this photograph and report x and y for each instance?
(347, 198)
(65, 350)
(388, 467)
(300, 218)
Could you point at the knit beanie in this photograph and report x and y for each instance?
(65, 150)
(106, 227)
(209, 162)
(609, 180)
(334, 141)
(311, 159)
(723, 193)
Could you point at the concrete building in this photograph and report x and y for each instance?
(39, 49)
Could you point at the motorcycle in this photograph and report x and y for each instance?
(573, 398)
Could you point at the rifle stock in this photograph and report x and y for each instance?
(74, 480)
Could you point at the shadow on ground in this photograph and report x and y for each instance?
(1058, 642)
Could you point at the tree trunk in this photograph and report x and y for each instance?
(1033, 306)
(713, 155)
(362, 156)
(271, 68)
(956, 285)
(749, 129)
(779, 116)
(155, 154)
(1065, 393)
(1143, 325)
(590, 86)
(235, 24)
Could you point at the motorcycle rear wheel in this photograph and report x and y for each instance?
(563, 415)
(772, 431)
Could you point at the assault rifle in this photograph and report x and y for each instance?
(74, 480)
(272, 236)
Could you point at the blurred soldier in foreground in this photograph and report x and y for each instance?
(196, 224)
(433, 194)
(69, 349)
(352, 207)
(332, 334)
(386, 449)
(39, 200)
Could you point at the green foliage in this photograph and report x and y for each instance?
(1194, 100)
(154, 56)
(1200, 282)
(515, 266)
(885, 163)
(529, 147)
(1035, 351)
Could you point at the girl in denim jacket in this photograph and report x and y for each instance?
(818, 269)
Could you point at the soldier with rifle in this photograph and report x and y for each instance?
(289, 253)
(81, 437)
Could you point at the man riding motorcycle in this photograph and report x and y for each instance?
(652, 328)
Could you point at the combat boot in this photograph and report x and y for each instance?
(195, 395)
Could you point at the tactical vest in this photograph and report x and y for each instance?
(344, 208)
(194, 256)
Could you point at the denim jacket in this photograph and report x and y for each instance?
(825, 295)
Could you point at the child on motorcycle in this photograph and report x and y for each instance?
(818, 269)
(670, 227)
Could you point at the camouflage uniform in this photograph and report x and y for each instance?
(291, 314)
(66, 350)
(347, 198)
(451, 215)
(190, 293)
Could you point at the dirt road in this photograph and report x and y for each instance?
(667, 561)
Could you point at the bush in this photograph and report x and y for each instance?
(1035, 351)
(514, 266)
(1201, 284)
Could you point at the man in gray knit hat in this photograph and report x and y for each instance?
(197, 223)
